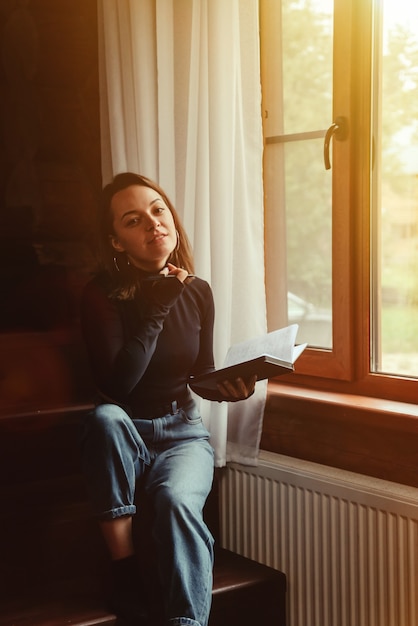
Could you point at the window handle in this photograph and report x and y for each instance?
(339, 129)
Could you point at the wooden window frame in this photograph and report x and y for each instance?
(333, 410)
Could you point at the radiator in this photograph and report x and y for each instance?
(347, 543)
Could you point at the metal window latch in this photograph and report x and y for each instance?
(339, 129)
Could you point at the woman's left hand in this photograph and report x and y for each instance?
(238, 389)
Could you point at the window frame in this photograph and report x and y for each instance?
(346, 369)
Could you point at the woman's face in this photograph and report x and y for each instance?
(143, 227)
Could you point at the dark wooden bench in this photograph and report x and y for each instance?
(53, 563)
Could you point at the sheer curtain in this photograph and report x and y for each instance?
(180, 103)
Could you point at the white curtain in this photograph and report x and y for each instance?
(181, 103)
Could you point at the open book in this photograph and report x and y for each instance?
(267, 356)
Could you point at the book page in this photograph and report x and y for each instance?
(279, 343)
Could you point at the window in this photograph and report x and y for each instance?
(394, 198)
(343, 240)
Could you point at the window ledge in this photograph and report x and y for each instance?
(362, 403)
(368, 435)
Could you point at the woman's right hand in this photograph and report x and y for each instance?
(171, 270)
(163, 288)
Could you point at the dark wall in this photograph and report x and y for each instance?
(50, 180)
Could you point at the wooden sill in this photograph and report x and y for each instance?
(367, 435)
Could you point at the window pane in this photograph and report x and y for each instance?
(395, 191)
(307, 40)
(307, 43)
(297, 61)
(309, 242)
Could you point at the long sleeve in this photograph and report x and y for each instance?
(144, 352)
(118, 358)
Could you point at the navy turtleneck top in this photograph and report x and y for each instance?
(143, 351)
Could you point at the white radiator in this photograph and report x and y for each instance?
(347, 543)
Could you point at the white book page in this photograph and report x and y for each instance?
(279, 343)
(297, 351)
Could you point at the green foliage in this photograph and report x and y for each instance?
(400, 329)
(399, 103)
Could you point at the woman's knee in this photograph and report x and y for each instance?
(103, 423)
(172, 502)
(105, 417)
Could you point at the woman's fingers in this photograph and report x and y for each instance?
(178, 272)
(238, 389)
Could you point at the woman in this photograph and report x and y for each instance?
(148, 328)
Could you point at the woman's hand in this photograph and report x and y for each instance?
(161, 288)
(172, 270)
(238, 389)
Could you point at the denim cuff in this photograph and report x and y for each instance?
(183, 621)
(129, 509)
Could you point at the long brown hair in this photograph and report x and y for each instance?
(124, 277)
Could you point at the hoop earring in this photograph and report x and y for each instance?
(115, 263)
(178, 241)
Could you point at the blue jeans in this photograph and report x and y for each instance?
(173, 456)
